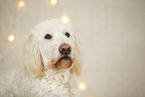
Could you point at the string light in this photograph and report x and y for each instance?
(53, 2)
(11, 38)
(65, 19)
(82, 86)
(21, 3)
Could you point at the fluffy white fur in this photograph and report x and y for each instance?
(35, 75)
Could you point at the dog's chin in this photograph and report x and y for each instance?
(63, 62)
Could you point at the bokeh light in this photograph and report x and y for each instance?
(65, 19)
(53, 2)
(11, 38)
(82, 86)
(21, 3)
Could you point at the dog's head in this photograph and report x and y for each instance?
(52, 45)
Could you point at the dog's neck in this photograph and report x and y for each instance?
(60, 76)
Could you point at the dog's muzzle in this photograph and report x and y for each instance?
(64, 61)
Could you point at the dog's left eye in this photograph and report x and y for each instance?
(48, 36)
(67, 34)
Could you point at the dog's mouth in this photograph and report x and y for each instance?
(64, 62)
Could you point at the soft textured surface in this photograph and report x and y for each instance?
(37, 74)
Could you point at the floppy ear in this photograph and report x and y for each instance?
(31, 58)
(77, 68)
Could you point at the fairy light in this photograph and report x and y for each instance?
(21, 3)
(11, 38)
(82, 86)
(53, 2)
(65, 19)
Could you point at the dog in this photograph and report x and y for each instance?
(48, 66)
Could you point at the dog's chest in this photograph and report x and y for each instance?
(54, 85)
(57, 85)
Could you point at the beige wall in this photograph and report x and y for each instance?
(112, 34)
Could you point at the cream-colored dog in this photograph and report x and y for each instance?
(48, 65)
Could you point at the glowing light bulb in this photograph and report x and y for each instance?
(21, 3)
(65, 19)
(82, 86)
(53, 2)
(11, 38)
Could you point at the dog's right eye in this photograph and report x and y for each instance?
(48, 36)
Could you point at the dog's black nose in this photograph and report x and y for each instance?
(64, 49)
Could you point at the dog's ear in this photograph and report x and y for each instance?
(31, 58)
(77, 66)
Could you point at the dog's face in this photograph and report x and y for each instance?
(56, 44)
(55, 47)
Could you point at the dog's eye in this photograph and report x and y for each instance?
(48, 36)
(67, 34)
